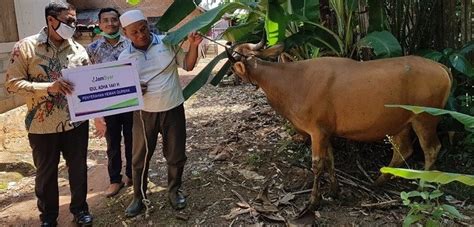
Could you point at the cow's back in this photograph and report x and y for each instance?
(357, 92)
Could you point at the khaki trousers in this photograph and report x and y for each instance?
(171, 125)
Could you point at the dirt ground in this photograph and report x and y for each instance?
(244, 168)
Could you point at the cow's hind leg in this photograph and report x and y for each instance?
(402, 149)
(424, 126)
(334, 187)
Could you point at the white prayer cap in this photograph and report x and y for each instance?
(131, 17)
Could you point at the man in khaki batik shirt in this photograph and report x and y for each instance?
(34, 72)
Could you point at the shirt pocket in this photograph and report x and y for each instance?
(75, 60)
(165, 57)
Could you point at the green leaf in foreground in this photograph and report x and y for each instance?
(202, 77)
(177, 11)
(220, 75)
(430, 176)
(465, 119)
(202, 22)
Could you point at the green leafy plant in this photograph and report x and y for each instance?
(254, 159)
(461, 99)
(424, 203)
(425, 207)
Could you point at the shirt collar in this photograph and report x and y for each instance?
(155, 40)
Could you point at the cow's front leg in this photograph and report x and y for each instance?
(319, 146)
(318, 167)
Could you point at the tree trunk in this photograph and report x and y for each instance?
(466, 32)
(325, 12)
(449, 23)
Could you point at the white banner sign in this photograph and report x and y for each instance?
(103, 89)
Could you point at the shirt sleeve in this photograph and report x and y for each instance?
(90, 53)
(16, 81)
(180, 56)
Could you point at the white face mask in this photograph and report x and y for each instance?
(65, 31)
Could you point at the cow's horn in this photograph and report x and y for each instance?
(260, 44)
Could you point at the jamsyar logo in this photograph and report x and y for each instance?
(101, 78)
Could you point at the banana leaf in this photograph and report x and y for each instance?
(467, 48)
(317, 35)
(430, 176)
(202, 22)
(202, 77)
(309, 9)
(275, 22)
(240, 32)
(177, 11)
(432, 54)
(461, 64)
(220, 75)
(466, 120)
(384, 44)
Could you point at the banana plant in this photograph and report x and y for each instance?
(293, 22)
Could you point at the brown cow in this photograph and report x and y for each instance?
(338, 96)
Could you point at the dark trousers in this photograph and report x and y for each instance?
(46, 153)
(116, 124)
(171, 125)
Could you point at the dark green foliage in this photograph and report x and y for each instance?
(170, 18)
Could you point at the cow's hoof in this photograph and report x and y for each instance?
(334, 193)
(305, 218)
(381, 180)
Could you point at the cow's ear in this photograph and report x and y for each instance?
(239, 68)
(271, 52)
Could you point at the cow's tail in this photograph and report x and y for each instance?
(448, 70)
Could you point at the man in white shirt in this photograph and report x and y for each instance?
(163, 110)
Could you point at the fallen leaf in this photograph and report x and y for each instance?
(274, 217)
(224, 155)
(243, 205)
(286, 199)
(266, 208)
(236, 212)
(182, 216)
(250, 175)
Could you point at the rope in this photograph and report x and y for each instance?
(145, 201)
(173, 59)
(222, 45)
